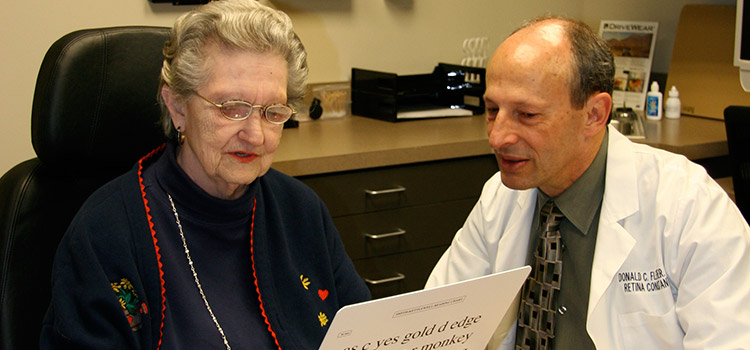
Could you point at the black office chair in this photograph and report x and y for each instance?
(737, 123)
(94, 115)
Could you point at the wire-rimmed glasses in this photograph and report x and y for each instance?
(240, 110)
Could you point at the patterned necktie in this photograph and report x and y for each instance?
(536, 323)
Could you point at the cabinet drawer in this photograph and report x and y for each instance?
(401, 230)
(399, 273)
(368, 190)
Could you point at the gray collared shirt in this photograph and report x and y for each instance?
(581, 204)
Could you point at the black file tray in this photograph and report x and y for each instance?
(382, 95)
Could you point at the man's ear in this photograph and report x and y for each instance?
(175, 105)
(598, 107)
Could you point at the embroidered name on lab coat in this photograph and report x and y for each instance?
(643, 281)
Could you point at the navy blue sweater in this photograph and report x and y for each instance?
(109, 289)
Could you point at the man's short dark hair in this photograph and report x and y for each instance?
(593, 66)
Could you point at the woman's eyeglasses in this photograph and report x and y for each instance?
(240, 110)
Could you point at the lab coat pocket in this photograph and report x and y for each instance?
(644, 331)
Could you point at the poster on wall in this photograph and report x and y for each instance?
(632, 44)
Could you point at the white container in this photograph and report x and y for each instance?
(654, 102)
(673, 105)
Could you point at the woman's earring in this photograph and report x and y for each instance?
(180, 136)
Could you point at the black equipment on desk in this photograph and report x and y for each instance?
(450, 90)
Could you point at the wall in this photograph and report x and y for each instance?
(401, 36)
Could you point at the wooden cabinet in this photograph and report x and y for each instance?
(423, 178)
(397, 221)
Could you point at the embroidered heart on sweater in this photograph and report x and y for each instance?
(323, 294)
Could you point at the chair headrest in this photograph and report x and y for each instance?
(95, 103)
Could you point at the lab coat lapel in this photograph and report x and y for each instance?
(613, 242)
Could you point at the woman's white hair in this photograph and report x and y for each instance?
(234, 24)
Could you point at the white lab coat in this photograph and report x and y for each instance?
(671, 268)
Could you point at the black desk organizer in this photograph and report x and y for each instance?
(383, 95)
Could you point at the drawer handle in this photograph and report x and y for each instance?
(396, 278)
(396, 189)
(398, 232)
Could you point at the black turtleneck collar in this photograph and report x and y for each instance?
(192, 200)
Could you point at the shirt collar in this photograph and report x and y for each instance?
(587, 189)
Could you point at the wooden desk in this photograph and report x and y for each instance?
(398, 192)
(696, 138)
(352, 143)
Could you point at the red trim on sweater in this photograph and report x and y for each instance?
(255, 277)
(153, 236)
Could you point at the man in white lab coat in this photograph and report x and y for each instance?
(656, 255)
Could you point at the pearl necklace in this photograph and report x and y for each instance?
(195, 274)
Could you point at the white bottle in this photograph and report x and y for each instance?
(654, 102)
(673, 106)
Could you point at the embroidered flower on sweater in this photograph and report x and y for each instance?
(129, 302)
(322, 294)
(305, 281)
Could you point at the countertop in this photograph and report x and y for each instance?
(693, 137)
(351, 143)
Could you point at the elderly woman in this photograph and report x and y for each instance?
(202, 245)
